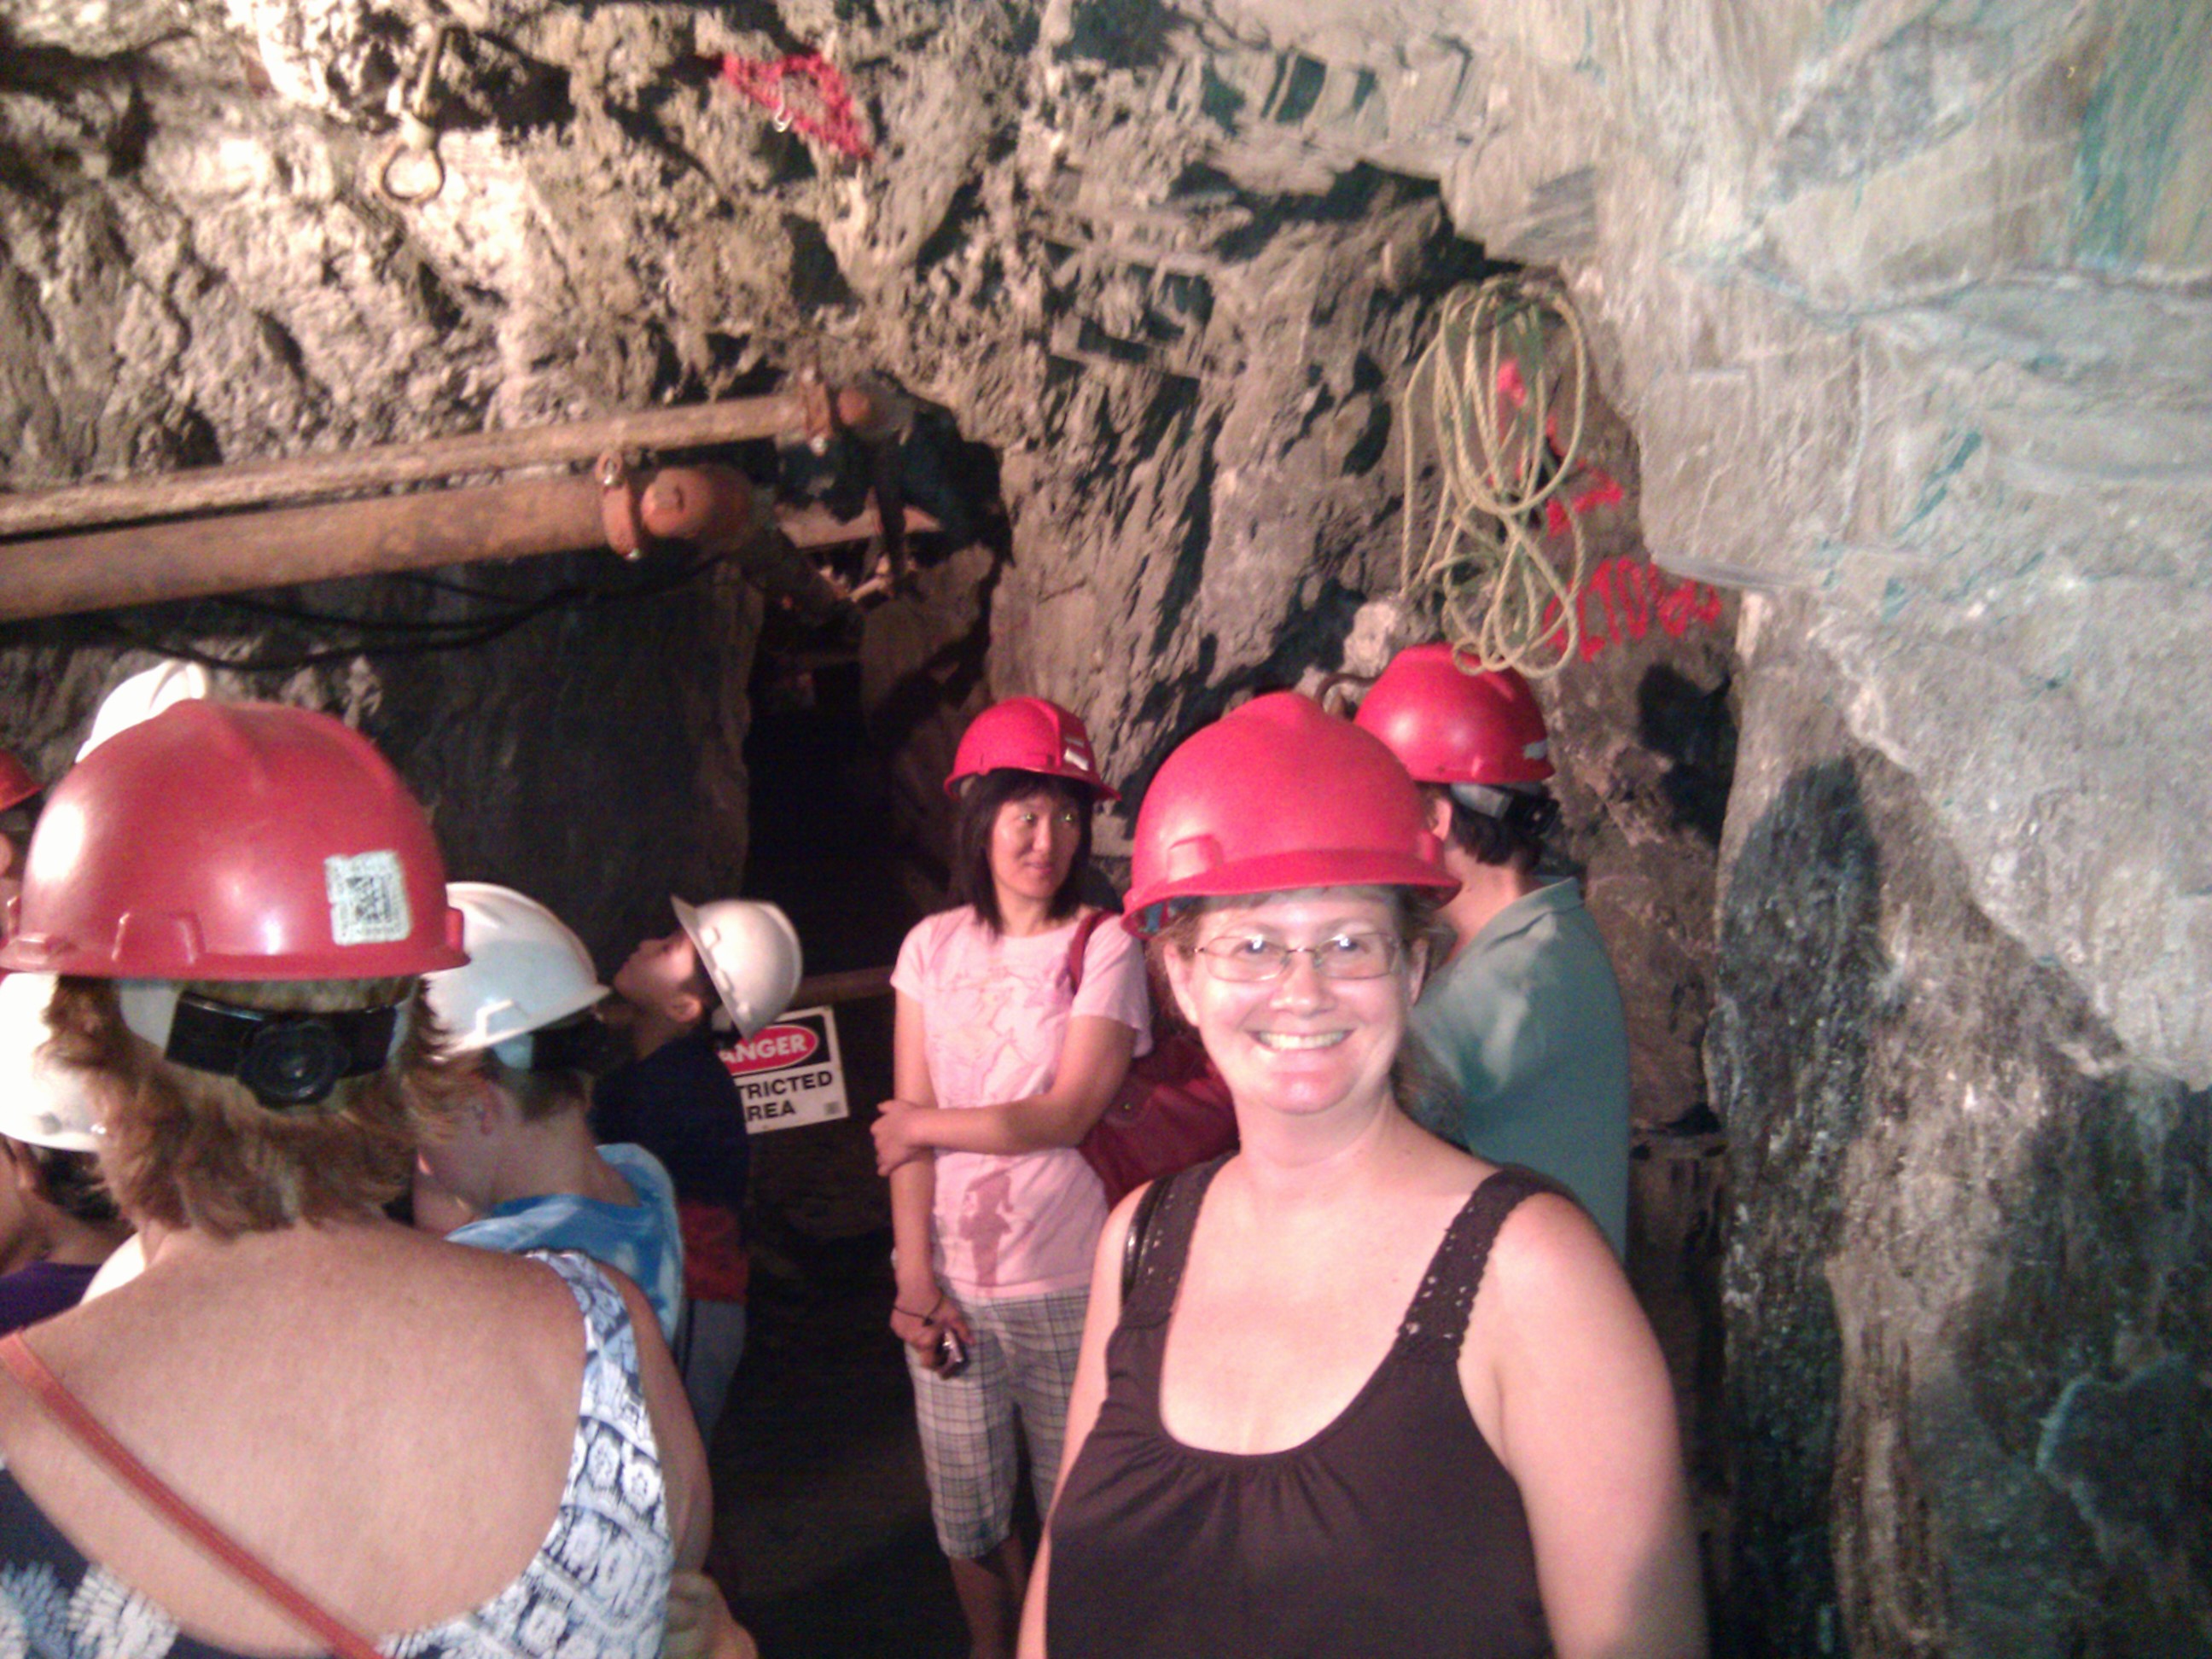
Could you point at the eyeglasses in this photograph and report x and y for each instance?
(1253, 957)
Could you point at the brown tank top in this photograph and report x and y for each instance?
(1394, 1531)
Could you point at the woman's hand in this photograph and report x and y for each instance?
(896, 1122)
(922, 1313)
(699, 1622)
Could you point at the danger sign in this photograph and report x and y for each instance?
(789, 1073)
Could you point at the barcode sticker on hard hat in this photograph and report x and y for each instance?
(368, 899)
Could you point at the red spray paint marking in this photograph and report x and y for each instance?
(1602, 490)
(1624, 596)
(834, 124)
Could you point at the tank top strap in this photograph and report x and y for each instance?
(1436, 1324)
(1166, 1244)
(611, 1361)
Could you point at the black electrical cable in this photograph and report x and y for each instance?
(520, 609)
(413, 638)
(311, 618)
(446, 584)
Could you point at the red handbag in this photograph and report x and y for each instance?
(1171, 1111)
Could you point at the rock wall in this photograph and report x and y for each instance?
(593, 755)
(1966, 1276)
(1908, 312)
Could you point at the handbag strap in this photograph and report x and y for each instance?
(1140, 1228)
(64, 1408)
(1080, 944)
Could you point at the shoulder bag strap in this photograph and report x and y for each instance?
(1140, 1225)
(1080, 945)
(53, 1395)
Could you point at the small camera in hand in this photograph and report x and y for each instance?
(951, 1353)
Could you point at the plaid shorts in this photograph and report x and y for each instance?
(1024, 1358)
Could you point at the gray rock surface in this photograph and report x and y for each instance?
(1965, 1277)
(592, 757)
(1910, 312)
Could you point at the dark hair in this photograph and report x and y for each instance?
(1421, 1088)
(70, 1182)
(1514, 837)
(16, 824)
(539, 1095)
(971, 839)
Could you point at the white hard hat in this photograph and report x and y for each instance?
(750, 950)
(525, 970)
(143, 697)
(42, 1101)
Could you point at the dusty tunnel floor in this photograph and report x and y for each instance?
(823, 1538)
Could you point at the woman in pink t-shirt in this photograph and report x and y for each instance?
(1001, 1066)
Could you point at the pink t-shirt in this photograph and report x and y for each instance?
(995, 1012)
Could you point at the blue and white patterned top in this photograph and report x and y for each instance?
(597, 1588)
(642, 1240)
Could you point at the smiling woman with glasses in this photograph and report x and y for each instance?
(1254, 957)
(1349, 1390)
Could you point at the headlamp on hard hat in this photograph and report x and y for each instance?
(1525, 811)
(283, 1059)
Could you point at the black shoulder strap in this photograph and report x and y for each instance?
(1140, 1227)
(1152, 1271)
(1436, 1324)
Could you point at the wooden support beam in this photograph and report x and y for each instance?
(855, 985)
(304, 477)
(186, 558)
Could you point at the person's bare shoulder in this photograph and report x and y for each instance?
(1546, 1245)
(1552, 1289)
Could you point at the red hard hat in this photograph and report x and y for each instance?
(1449, 726)
(1276, 796)
(233, 841)
(1028, 734)
(16, 783)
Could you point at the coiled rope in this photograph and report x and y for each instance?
(1493, 410)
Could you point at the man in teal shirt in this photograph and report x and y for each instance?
(1526, 1016)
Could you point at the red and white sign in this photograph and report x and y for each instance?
(779, 1046)
(790, 1073)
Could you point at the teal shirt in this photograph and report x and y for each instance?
(642, 1240)
(1526, 1022)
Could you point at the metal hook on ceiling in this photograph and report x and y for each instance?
(411, 171)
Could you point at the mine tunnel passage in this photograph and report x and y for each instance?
(778, 687)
